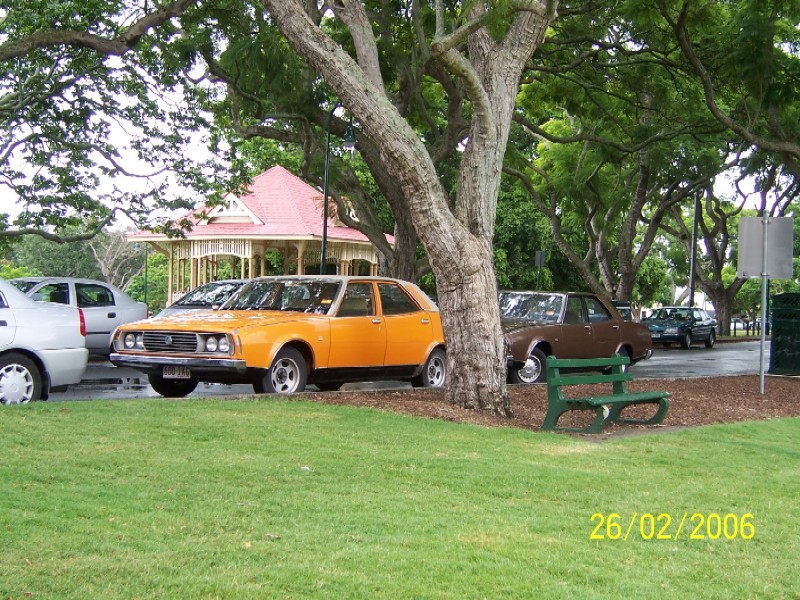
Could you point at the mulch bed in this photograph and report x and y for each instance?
(694, 402)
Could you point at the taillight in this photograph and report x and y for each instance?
(83, 322)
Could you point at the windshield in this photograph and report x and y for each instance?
(682, 314)
(22, 284)
(301, 295)
(539, 307)
(210, 294)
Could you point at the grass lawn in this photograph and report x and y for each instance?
(267, 498)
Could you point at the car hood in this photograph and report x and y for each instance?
(656, 324)
(219, 320)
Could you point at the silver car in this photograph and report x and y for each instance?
(104, 306)
(42, 347)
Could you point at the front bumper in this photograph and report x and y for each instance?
(155, 364)
(660, 337)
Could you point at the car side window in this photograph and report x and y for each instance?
(357, 301)
(574, 313)
(596, 311)
(3, 303)
(54, 292)
(91, 295)
(395, 301)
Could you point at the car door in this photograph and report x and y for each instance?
(605, 329)
(576, 332)
(409, 330)
(701, 329)
(358, 336)
(101, 313)
(8, 324)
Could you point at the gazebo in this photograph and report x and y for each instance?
(280, 215)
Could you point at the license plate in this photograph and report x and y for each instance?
(171, 372)
(655, 335)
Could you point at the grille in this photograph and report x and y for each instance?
(169, 341)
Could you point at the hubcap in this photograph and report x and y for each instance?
(531, 371)
(436, 372)
(16, 385)
(285, 376)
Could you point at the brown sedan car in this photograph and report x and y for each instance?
(565, 325)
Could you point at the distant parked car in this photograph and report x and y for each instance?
(104, 306)
(279, 333)
(564, 325)
(683, 325)
(205, 297)
(42, 347)
(624, 309)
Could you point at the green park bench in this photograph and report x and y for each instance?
(582, 371)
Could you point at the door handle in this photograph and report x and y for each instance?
(3, 324)
(376, 321)
(425, 321)
(112, 315)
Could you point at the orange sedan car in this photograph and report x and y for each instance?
(280, 333)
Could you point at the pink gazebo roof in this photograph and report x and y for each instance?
(277, 205)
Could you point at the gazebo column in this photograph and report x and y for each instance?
(192, 273)
(170, 273)
(301, 249)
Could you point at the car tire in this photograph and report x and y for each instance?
(686, 340)
(711, 339)
(534, 370)
(434, 373)
(172, 388)
(286, 375)
(20, 379)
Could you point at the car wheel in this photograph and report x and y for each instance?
(686, 340)
(434, 374)
(172, 388)
(287, 374)
(533, 371)
(711, 339)
(20, 379)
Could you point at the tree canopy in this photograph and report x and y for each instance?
(618, 115)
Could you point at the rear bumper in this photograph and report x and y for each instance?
(64, 366)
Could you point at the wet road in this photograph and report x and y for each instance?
(104, 380)
(728, 358)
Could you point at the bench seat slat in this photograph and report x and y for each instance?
(584, 379)
(627, 398)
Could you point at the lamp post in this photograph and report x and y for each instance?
(349, 140)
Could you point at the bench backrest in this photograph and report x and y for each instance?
(617, 376)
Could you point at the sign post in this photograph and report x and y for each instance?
(765, 250)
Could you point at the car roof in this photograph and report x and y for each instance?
(342, 278)
(56, 279)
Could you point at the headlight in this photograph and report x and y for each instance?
(211, 344)
(130, 341)
(223, 345)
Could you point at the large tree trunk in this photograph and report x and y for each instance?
(458, 241)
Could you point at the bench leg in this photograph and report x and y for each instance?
(554, 414)
(663, 405)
